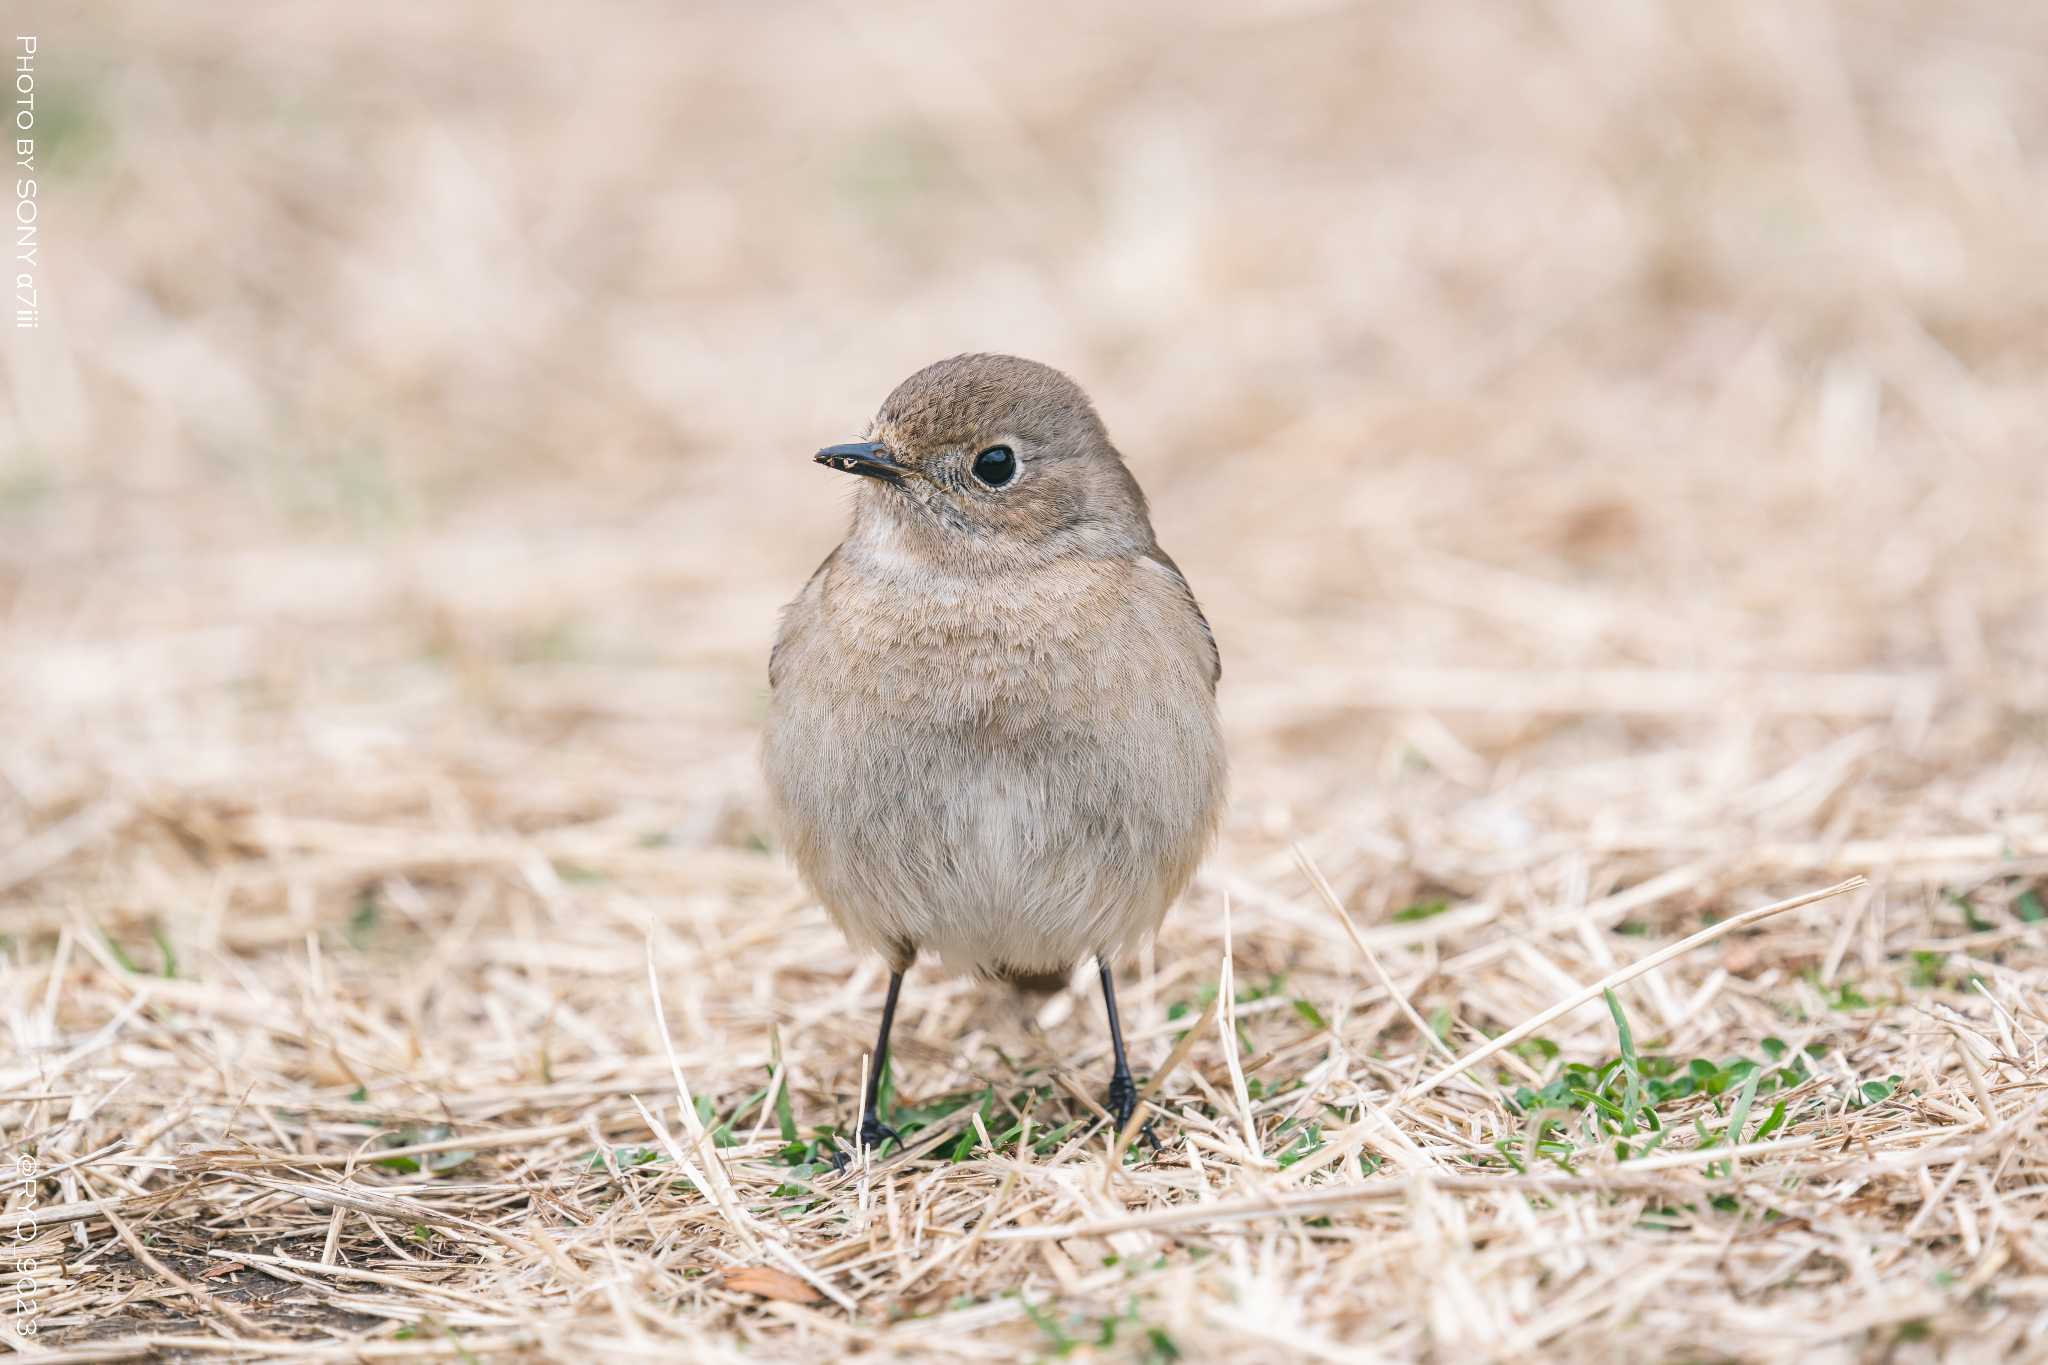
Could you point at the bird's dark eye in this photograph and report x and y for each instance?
(996, 466)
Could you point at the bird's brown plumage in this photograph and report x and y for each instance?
(993, 733)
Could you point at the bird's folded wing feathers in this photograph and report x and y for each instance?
(795, 617)
(1157, 554)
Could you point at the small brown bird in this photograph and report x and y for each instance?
(993, 736)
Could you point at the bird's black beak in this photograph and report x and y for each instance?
(870, 458)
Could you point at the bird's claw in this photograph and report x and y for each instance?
(873, 1133)
(1123, 1099)
(1123, 1102)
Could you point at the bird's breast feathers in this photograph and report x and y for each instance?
(1016, 771)
(1067, 645)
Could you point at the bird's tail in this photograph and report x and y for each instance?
(1032, 983)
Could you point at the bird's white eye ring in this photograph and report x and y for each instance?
(996, 466)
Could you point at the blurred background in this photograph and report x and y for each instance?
(417, 435)
(1607, 438)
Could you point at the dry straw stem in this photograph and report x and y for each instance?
(1226, 1029)
(719, 1184)
(1307, 1203)
(1372, 960)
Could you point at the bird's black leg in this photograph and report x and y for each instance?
(873, 1132)
(1123, 1091)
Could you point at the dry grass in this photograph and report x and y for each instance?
(1607, 439)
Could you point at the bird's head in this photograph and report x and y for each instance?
(993, 456)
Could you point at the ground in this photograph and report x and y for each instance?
(1606, 440)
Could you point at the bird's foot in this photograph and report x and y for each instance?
(1123, 1102)
(873, 1133)
(1123, 1099)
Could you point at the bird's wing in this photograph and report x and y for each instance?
(1157, 554)
(794, 617)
